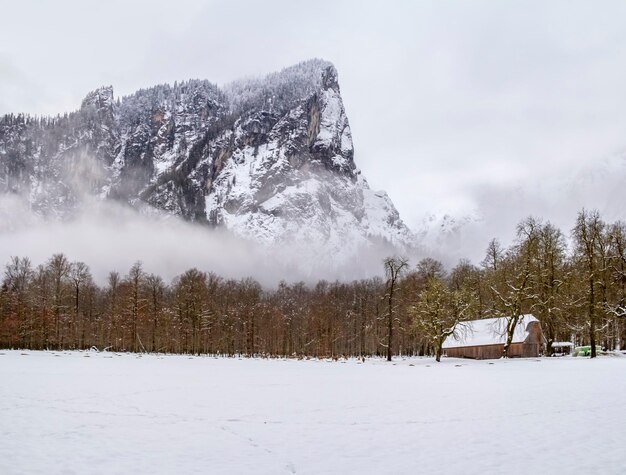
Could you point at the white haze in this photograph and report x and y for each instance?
(495, 110)
(111, 237)
(558, 199)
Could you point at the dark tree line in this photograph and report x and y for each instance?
(577, 291)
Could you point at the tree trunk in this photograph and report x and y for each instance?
(592, 316)
(390, 322)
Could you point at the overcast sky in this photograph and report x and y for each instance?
(446, 99)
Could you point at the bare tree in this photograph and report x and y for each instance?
(588, 236)
(430, 268)
(156, 291)
(113, 309)
(17, 278)
(511, 277)
(190, 291)
(440, 312)
(547, 299)
(41, 289)
(79, 275)
(135, 280)
(59, 268)
(466, 275)
(494, 255)
(394, 267)
(616, 309)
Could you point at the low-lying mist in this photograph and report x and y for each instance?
(110, 237)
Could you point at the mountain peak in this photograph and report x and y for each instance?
(99, 98)
(269, 158)
(330, 78)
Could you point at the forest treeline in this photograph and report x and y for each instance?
(575, 285)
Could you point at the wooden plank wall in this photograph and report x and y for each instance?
(531, 348)
(491, 352)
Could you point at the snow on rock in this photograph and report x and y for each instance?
(271, 159)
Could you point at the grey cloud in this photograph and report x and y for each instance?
(449, 102)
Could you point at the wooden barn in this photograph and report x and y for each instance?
(485, 339)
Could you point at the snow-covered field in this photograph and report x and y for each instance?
(87, 413)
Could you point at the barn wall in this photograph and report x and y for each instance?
(485, 352)
(517, 350)
(531, 348)
(533, 345)
(493, 352)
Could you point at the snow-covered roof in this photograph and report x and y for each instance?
(557, 344)
(488, 331)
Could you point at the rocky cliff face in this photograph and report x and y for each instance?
(271, 159)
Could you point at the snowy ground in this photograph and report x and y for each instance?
(103, 413)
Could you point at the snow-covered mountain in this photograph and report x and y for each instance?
(271, 159)
(495, 210)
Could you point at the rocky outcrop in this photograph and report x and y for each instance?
(271, 159)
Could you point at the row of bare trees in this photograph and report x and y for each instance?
(577, 291)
